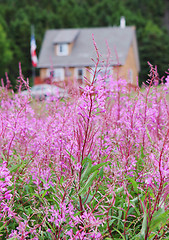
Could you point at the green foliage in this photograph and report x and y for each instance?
(6, 53)
(129, 211)
(89, 174)
(154, 48)
(16, 17)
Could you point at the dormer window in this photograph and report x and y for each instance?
(62, 49)
(64, 41)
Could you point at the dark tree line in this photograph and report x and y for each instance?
(16, 18)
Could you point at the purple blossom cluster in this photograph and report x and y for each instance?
(66, 164)
(5, 193)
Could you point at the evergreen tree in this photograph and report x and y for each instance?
(154, 48)
(16, 18)
(6, 53)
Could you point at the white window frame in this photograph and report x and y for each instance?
(59, 74)
(62, 49)
(130, 75)
(80, 76)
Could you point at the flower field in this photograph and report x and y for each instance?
(94, 166)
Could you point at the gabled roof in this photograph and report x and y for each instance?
(66, 36)
(118, 40)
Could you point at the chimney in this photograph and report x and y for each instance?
(122, 22)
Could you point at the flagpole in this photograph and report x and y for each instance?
(33, 67)
(33, 75)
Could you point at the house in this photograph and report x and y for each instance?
(66, 54)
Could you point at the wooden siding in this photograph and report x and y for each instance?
(70, 46)
(43, 73)
(129, 64)
(120, 71)
(70, 78)
(87, 74)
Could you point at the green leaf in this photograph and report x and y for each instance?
(148, 134)
(136, 208)
(51, 226)
(120, 189)
(134, 183)
(142, 155)
(160, 217)
(86, 170)
(101, 173)
(88, 183)
(36, 195)
(12, 238)
(111, 238)
(144, 223)
(96, 167)
(71, 156)
(119, 233)
(2, 227)
(151, 236)
(14, 168)
(86, 159)
(77, 213)
(137, 237)
(3, 157)
(71, 191)
(61, 180)
(120, 212)
(88, 199)
(44, 193)
(140, 160)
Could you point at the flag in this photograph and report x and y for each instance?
(33, 51)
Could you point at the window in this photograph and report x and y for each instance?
(62, 49)
(80, 75)
(57, 74)
(67, 72)
(130, 76)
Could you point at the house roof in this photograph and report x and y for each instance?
(66, 36)
(117, 39)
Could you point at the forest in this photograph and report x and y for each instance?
(16, 17)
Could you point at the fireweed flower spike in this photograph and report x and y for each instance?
(93, 166)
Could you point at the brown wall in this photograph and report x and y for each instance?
(70, 46)
(123, 71)
(71, 77)
(43, 73)
(87, 75)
